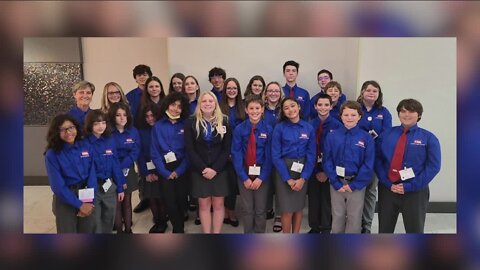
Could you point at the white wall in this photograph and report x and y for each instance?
(423, 69)
(243, 58)
(113, 59)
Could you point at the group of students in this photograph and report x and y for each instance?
(213, 145)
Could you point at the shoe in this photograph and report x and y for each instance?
(227, 221)
(141, 206)
(366, 231)
(314, 231)
(270, 214)
(129, 231)
(197, 221)
(277, 224)
(192, 207)
(185, 216)
(162, 227)
(154, 229)
(325, 232)
(234, 223)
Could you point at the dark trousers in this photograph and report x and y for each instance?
(231, 199)
(319, 205)
(412, 205)
(67, 220)
(175, 194)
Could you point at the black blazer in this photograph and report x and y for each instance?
(200, 154)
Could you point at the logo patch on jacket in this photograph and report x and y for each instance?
(108, 152)
(181, 131)
(85, 154)
(129, 140)
(262, 135)
(304, 136)
(417, 142)
(380, 116)
(300, 98)
(361, 144)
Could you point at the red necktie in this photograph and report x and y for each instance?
(319, 136)
(397, 158)
(251, 158)
(291, 92)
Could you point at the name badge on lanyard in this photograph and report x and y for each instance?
(106, 186)
(406, 174)
(297, 167)
(254, 170)
(340, 171)
(86, 194)
(150, 165)
(170, 157)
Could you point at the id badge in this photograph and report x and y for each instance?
(406, 174)
(150, 166)
(297, 167)
(254, 170)
(86, 194)
(221, 129)
(340, 171)
(170, 157)
(373, 133)
(107, 185)
(125, 171)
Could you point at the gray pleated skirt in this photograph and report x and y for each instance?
(217, 187)
(289, 200)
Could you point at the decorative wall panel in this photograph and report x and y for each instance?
(48, 90)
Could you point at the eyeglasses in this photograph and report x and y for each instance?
(321, 78)
(68, 129)
(216, 77)
(113, 93)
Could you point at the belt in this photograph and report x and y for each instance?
(77, 186)
(347, 178)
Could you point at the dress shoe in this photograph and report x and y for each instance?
(270, 214)
(197, 221)
(226, 221)
(234, 223)
(141, 206)
(314, 231)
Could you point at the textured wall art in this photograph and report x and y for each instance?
(48, 90)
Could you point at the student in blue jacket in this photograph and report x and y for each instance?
(348, 160)
(110, 179)
(83, 93)
(256, 87)
(409, 159)
(232, 105)
(319, 204)
(375, 119)
(251, 146)
(168, 156)
(71, 171)
(293, 155)
(291, 89)
(334, 89)
(127, 142)
(324, 76)
(191, 89)
(149, 178)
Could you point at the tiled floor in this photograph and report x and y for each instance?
(38, 217)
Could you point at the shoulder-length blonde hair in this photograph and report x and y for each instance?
(217, 115)
(105, 102)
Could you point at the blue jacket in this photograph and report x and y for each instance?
(168, 137)
(422, 154)
(233, 121)
(381, 119)
(72, 165)
(106, 161)
(134, 98)
(352, 149)
(330, 124)
(263, 139)
(218, 94)
(335, 112)
(79, 115)
(293, 141)
(128, 146)
(193, 106)
(313, 111)
(303, 98)
(144, 156)
(271, 116)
